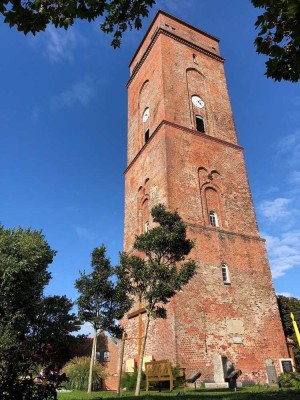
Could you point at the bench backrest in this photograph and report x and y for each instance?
(158, 368)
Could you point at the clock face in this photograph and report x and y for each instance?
(197, 101)
(146, 114)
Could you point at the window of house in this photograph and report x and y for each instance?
(106, 356)
(213, 218)
(225, 273)
(200, 124)
(147, 226)
(147, 135)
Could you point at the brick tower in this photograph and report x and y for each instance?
(183, 152)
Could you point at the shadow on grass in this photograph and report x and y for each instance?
(220, 394)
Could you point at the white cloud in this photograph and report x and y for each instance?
(294, 177)
(86, 234)
(284, 252)
(61, 44)
(289, 147)
(285, 294)
(272, 189)
(275, 209)
(81, 92)
(178, 6)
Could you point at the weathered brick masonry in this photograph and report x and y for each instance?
(198, 173)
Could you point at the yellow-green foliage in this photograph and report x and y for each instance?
(77, 371)
(289, 380)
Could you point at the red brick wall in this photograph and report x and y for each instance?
(111, 364)
(194, 173)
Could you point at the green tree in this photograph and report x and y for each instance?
(34, 15)
(102, 300)
(50, 330)
(24, 258)
(152, 280)
(279, 38)
(286, 306)
(32, 327)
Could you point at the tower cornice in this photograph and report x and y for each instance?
(161, 12)
(161, 31)
(184, 129)
(222, 231)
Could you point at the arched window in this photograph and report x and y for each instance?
(200, 124)
(145, 214)
(213, 218)
(146, 114)
(225, 274)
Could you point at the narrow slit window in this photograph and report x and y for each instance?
(213, 218)
(225, 274)
(147, 135)
(200, 124)
(146, 227)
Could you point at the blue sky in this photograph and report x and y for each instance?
(63, 121)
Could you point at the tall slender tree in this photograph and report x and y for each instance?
(102, 301)
(154, 278)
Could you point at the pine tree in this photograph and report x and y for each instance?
(152, 280)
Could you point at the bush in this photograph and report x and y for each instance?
(291, 379)
(26, 389)
(77, 371)
(128, 380)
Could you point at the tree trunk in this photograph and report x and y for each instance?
(90, 384)
(121, 356)
(140, 366)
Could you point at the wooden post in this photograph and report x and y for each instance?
(138, 313)
(140, 364)
(92, 362)
(140, 332)
(121, 356)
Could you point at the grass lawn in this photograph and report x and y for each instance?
(255, 393)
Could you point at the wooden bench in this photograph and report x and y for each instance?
(159, 371)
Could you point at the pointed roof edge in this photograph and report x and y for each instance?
(176, 19)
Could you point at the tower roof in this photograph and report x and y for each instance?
(161, 12)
